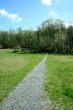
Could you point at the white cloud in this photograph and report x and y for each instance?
(53, 14)
(67, 24)
(13, 17)
(47, 2)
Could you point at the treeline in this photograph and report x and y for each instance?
(52, 36)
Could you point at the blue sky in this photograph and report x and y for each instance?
(29, 14)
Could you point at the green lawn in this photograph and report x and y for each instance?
(13, 68)
(59, 81)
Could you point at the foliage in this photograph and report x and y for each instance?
(52, 36)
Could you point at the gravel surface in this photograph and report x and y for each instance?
(29, 94)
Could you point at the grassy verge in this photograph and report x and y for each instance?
(13, 68)
(59, 81)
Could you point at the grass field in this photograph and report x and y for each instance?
(59, 81)
(13, 68)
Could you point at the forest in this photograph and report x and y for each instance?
(52, 36)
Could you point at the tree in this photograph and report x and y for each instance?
(69, 39)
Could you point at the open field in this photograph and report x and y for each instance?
(59, 75)
(13, 68)
(59, 81)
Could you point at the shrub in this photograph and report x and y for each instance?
(17, 49)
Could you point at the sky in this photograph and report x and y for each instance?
(29, 14)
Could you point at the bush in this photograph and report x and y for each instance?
(17, 49)
(25, 50)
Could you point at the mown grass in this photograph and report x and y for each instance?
(13, 68)
(59, 81)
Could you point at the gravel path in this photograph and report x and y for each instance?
(29, 94)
